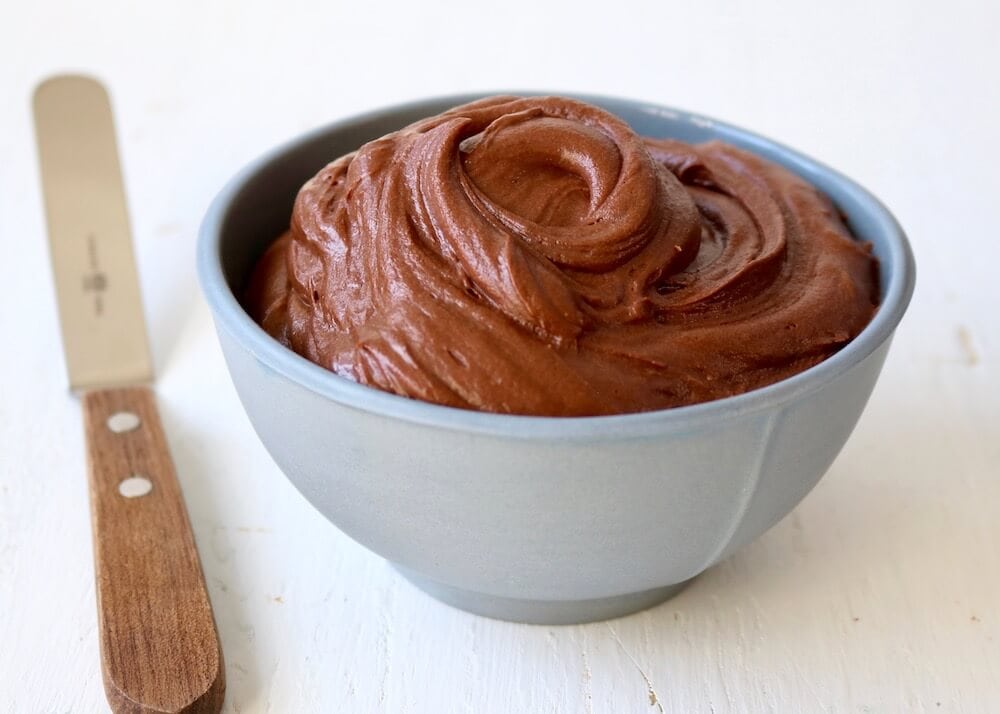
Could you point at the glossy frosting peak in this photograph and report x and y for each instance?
(536, 256)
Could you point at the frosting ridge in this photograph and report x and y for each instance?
(537, 256)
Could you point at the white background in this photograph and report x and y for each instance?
(880, 593)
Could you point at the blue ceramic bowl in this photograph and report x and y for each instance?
(539, 519)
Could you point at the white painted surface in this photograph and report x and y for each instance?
(880, 593)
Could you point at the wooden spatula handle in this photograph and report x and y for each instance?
(159, 646)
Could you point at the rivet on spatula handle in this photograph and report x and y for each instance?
(159, 646)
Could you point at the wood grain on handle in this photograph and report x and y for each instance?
(159, 646)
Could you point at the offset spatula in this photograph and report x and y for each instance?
(159, 646)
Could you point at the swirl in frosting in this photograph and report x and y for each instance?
(537, 256)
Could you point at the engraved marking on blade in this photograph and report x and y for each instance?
(96, 281)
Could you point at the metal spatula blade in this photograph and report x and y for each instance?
(100, 307)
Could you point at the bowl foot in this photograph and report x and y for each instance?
(541, 612)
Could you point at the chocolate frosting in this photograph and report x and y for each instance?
(536, 256)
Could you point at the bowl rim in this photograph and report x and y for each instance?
(230, 316)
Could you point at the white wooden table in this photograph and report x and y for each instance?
(880, 593)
